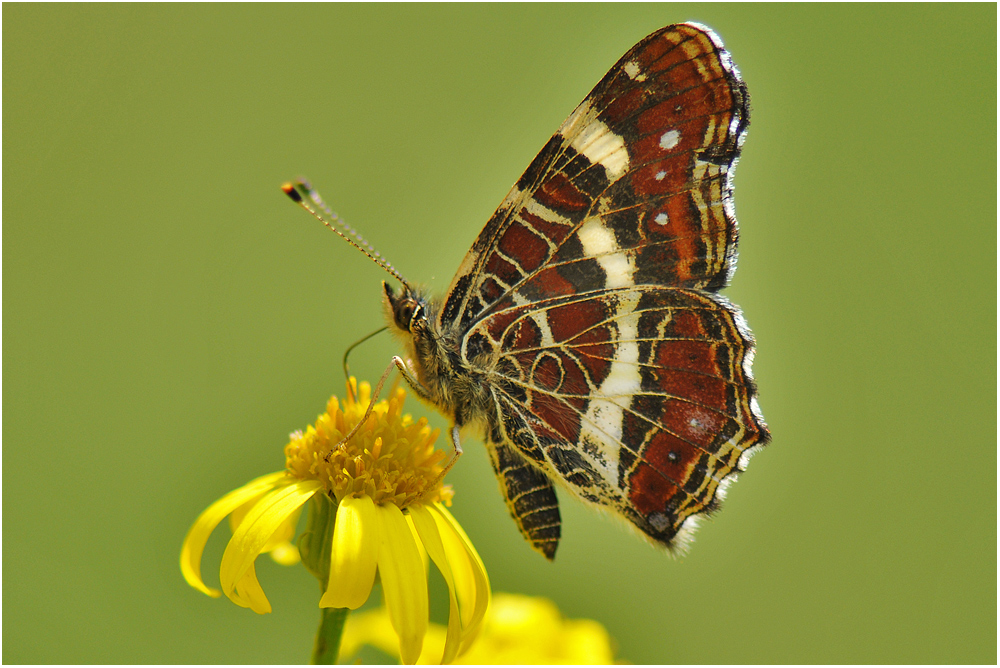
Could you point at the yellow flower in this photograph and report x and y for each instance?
(518, 630)
(384, 484)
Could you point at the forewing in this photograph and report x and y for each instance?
(634, 188)
(638, 398)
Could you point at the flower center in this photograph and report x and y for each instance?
(390, 457)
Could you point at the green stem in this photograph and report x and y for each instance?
(331, 628)
(314, 546)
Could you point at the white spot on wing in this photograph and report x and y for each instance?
(533, 207)
(670, 139)
(660, 175)
(631, 68)
(596, 238)
(602, 425)
(599, 243)
(541, 319)
(661, 218)
(597, 142)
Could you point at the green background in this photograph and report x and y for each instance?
(170, 316)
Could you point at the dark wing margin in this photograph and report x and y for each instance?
(634, 188)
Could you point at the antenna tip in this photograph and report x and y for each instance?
(290, 190)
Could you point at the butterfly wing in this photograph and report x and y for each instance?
(530, 496)
(639, 399)
(612, 365)
(634, 188)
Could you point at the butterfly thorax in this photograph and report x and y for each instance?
(454, 385)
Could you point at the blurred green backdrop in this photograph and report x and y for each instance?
(170, 316)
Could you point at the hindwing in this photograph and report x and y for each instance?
(638, 398)
(530, 497)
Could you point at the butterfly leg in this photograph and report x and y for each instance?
(410, 379)
(457, 445)
(420, 391)
(530, 498)
(371, 406)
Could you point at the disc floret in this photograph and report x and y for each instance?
(390, 459)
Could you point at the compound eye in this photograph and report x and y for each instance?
(404, 312)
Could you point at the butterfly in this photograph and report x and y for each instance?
(583, 333)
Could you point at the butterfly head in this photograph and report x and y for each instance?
(407, 310)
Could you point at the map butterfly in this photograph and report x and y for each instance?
(583, 333)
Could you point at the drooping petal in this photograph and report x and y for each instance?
(420, 546)
(197, 536)
(285, 533)
(257, 528)
(279, 546)
(250, 593)
(353, 555)
(430, 537)
(472, 586)
(404, 581)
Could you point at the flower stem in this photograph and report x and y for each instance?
(331, 627)
(316, 541)
(314, 546)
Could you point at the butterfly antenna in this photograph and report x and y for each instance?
(314, 195)
(347, 369)
(299, 191)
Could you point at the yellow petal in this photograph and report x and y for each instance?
(286, 554)
(353, 555)
(373, 628)
(404, 581)
(472, 586)
(586, 641)
(257, 528)
(430, 537)
(524, 629)
(420, 546)
(197, 536)
(236, 517)
(369, 627)
(250, 593)
(285, 533)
